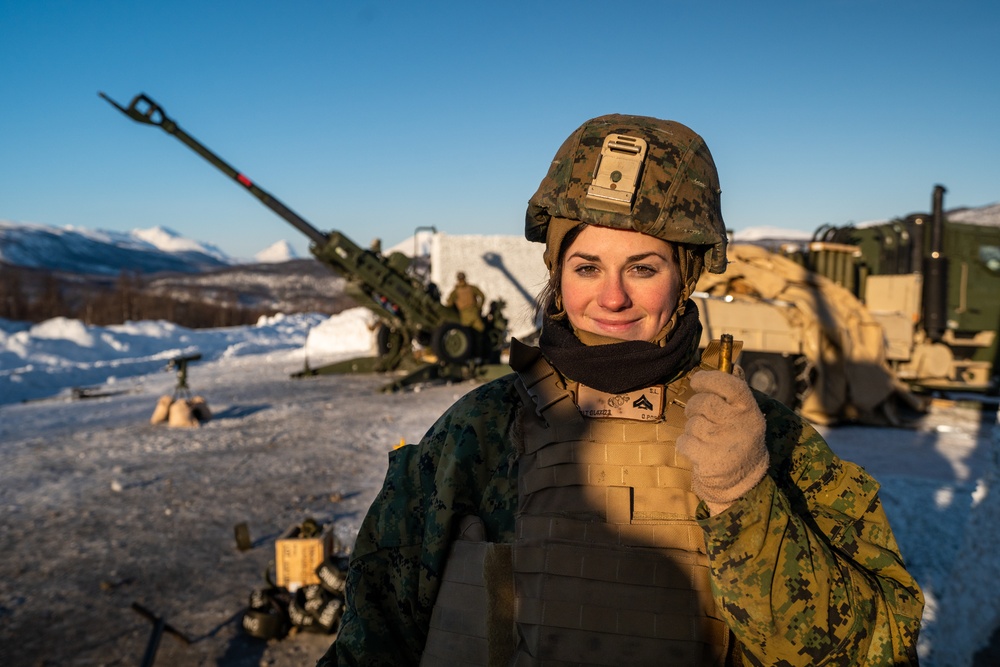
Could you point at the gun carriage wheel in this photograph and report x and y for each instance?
(453, 343)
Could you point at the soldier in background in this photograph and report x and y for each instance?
(468, 300)
(619, 500)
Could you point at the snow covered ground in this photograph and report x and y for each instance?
(101, 509)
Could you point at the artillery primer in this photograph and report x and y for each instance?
(726, 353)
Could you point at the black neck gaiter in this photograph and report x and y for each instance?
(621, 367)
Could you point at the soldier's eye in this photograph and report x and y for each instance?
(644, 271)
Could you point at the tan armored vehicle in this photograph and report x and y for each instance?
(846, 325)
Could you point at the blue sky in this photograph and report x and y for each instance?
(374, 118)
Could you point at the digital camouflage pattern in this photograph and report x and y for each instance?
(677, 200)
(804, 566)
(464, 465)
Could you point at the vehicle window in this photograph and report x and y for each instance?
(990, 256)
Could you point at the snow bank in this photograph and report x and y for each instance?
(351, 331)
(974, 611)
(52, 357)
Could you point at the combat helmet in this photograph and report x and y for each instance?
(636, 173)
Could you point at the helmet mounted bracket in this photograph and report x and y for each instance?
(616, 175)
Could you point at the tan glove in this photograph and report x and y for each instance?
(723, 438)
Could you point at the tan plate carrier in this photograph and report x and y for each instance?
(609, 565)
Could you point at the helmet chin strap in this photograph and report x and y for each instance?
(691, 264)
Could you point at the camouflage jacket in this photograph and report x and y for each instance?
(804, 567)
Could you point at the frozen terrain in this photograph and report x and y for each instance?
(102, 510)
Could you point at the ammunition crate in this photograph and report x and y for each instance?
(296, 558)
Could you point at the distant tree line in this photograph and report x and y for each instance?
(34, 296)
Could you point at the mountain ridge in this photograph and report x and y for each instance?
(105, 277)
(159, 249)
(102, 252)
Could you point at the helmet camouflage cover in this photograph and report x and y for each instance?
(637, 173)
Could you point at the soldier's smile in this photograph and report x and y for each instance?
(619, 283)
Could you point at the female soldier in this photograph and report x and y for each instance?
(614, 501)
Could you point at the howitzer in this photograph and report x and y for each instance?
(409, 310)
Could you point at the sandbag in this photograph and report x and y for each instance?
(199, 408)
(181, 415)
(162, 410)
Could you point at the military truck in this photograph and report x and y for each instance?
(841, 326)
(417, 333)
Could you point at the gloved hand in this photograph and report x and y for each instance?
(723, 438)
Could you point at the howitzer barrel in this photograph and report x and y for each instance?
(382, 289)
(144, 110)
(410, 310)
(387, 291)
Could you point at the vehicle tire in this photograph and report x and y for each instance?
(771, 374)
(387, 340)
(382, 340)
(453, 343)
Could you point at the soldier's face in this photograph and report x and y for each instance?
(620, 284)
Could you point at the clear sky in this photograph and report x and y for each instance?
(374, 118)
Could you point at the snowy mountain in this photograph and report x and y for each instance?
(103, 276)
(170, 241)
(101, 252)
(281, 251)
(109, 253)
(768, 233)
(159, 249)
(982, 215)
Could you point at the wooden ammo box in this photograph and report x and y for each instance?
(296, 556)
